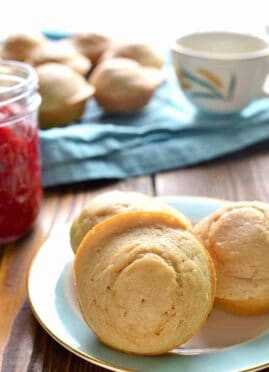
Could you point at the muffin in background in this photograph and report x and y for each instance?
(144, 54)
(92, 45)
(62, 52)
(22, 46)
(122, 85)
(64, 94)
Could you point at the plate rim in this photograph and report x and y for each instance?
(86, 356)
(81, 354)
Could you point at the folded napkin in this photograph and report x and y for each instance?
(167, 134)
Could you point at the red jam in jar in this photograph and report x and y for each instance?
(20, 172)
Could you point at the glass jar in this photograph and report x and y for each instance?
(20, 171)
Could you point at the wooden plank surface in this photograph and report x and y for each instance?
(24, 345)
(242, 176)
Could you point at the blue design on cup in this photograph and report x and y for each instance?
(211, 85)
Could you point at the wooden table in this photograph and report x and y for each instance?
(24, 345)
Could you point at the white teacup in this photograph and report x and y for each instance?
(221, 72)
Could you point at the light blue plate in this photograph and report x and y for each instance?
(226, 343)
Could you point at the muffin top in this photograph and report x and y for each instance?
(62, 52)
(22, 46)
(142, 53)
(114, 202)
(237, 237)
(123, 85)
(60, 86)
(144, 284)
(92, 45)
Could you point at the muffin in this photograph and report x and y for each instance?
(62, 52)
(91, 45)
(22, 46)
(64, 94)
(237, 237)
(144, 54)
(144, 284)
(114, 202)
(123, 85)
(80, 64)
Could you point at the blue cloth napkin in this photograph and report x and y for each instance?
(168, 133)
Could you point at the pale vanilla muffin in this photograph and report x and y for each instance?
(237, 238)
(92, 45)
(144, 284)
(62, 52)
(114, 202)
(64, 94)
(142, 53)
(22, 46)
(122, 85)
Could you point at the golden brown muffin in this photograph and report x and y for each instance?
(144, 285)
(237, 237)
(110, 203)
(64, 94)
(79, 63)
(22, 46)
(63, 52)
(91, 45)
(144, 54)
(54, 51)
(122, 85)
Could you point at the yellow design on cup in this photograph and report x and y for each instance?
(214, 79)
(185, 85)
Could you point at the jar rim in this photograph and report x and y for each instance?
(18, 83)
(26, 83)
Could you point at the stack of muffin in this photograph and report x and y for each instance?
(146, 279)
(145, 284)
(121, 77)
